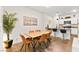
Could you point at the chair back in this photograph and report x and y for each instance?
(42, 38)
(37, 39)
(48, 35)
(28, 40)
(37, 30)
(25, 40)
(31, 31)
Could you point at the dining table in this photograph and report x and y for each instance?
(36, 34)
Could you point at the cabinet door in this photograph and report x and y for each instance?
(74, 21)
(74, 31)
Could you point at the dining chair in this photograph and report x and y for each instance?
(47, 39)
(37, 30)
(31, 31)
(41, 43)
(26, 42)
(36, 44)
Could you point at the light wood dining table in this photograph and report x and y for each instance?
(36, 34)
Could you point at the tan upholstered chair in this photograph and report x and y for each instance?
(26, 42)
(31, 31)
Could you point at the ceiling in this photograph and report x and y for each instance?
(53, 10)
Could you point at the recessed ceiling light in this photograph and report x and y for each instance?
(74, 10)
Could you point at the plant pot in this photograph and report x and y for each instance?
(8, 44)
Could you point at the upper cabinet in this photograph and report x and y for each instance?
(68, 21)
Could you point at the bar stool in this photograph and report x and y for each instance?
(54, 30)
(63, 31)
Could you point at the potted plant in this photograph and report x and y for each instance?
(9, 21)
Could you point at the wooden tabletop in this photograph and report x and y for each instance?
(36, 34)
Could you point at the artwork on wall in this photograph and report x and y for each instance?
(29, 21)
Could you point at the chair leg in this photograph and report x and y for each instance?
(63, 36)
(25, 48)
(22, 47)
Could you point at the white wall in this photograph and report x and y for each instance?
(48, 20)
(1, 29)
(25, 11)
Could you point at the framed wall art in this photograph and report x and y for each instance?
(29, 21)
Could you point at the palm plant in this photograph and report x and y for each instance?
(9, 21)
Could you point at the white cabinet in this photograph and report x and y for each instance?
(74, 31)
(71, 24)
(74, 21)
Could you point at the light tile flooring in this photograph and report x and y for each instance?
(56, 45)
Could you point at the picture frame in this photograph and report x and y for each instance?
(30, 21)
